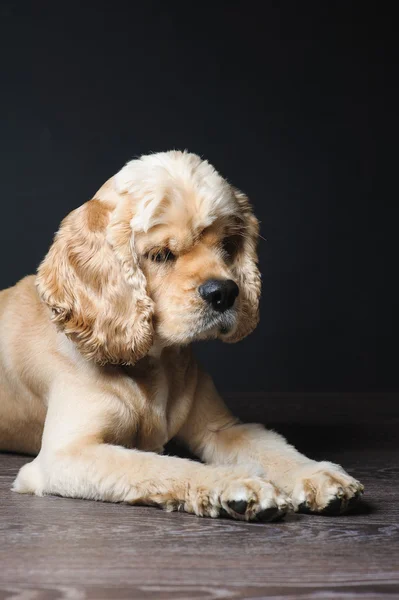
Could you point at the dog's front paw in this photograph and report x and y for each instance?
(254, 499)
(244, 498)
(325, 488)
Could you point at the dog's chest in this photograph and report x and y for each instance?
(164, 397)
(152, 433)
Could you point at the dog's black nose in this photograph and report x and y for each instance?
(220, 293)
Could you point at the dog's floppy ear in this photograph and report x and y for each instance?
(91, 281)
(245, 268)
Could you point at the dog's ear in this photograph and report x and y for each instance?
(245, 268)
(91, 281)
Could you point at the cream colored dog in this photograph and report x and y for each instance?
(96, 370)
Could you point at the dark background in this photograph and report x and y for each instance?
(295, 103)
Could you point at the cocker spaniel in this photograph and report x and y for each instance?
(96, 370)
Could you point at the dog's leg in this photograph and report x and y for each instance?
(218, 438)
(76, 462)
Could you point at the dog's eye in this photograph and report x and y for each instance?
(230, 246)
(162, 255)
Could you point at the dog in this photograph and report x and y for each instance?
(96, 368)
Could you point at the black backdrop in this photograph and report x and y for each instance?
(295, 104)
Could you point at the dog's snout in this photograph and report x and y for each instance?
(220, 293)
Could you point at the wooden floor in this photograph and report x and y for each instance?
(74, 549)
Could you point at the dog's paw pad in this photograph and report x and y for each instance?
(270, 515)
(238, 506)
(354, 501)
(334, 507)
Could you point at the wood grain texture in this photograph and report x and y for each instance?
(55, 548)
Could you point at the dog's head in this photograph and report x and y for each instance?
(166, 249)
